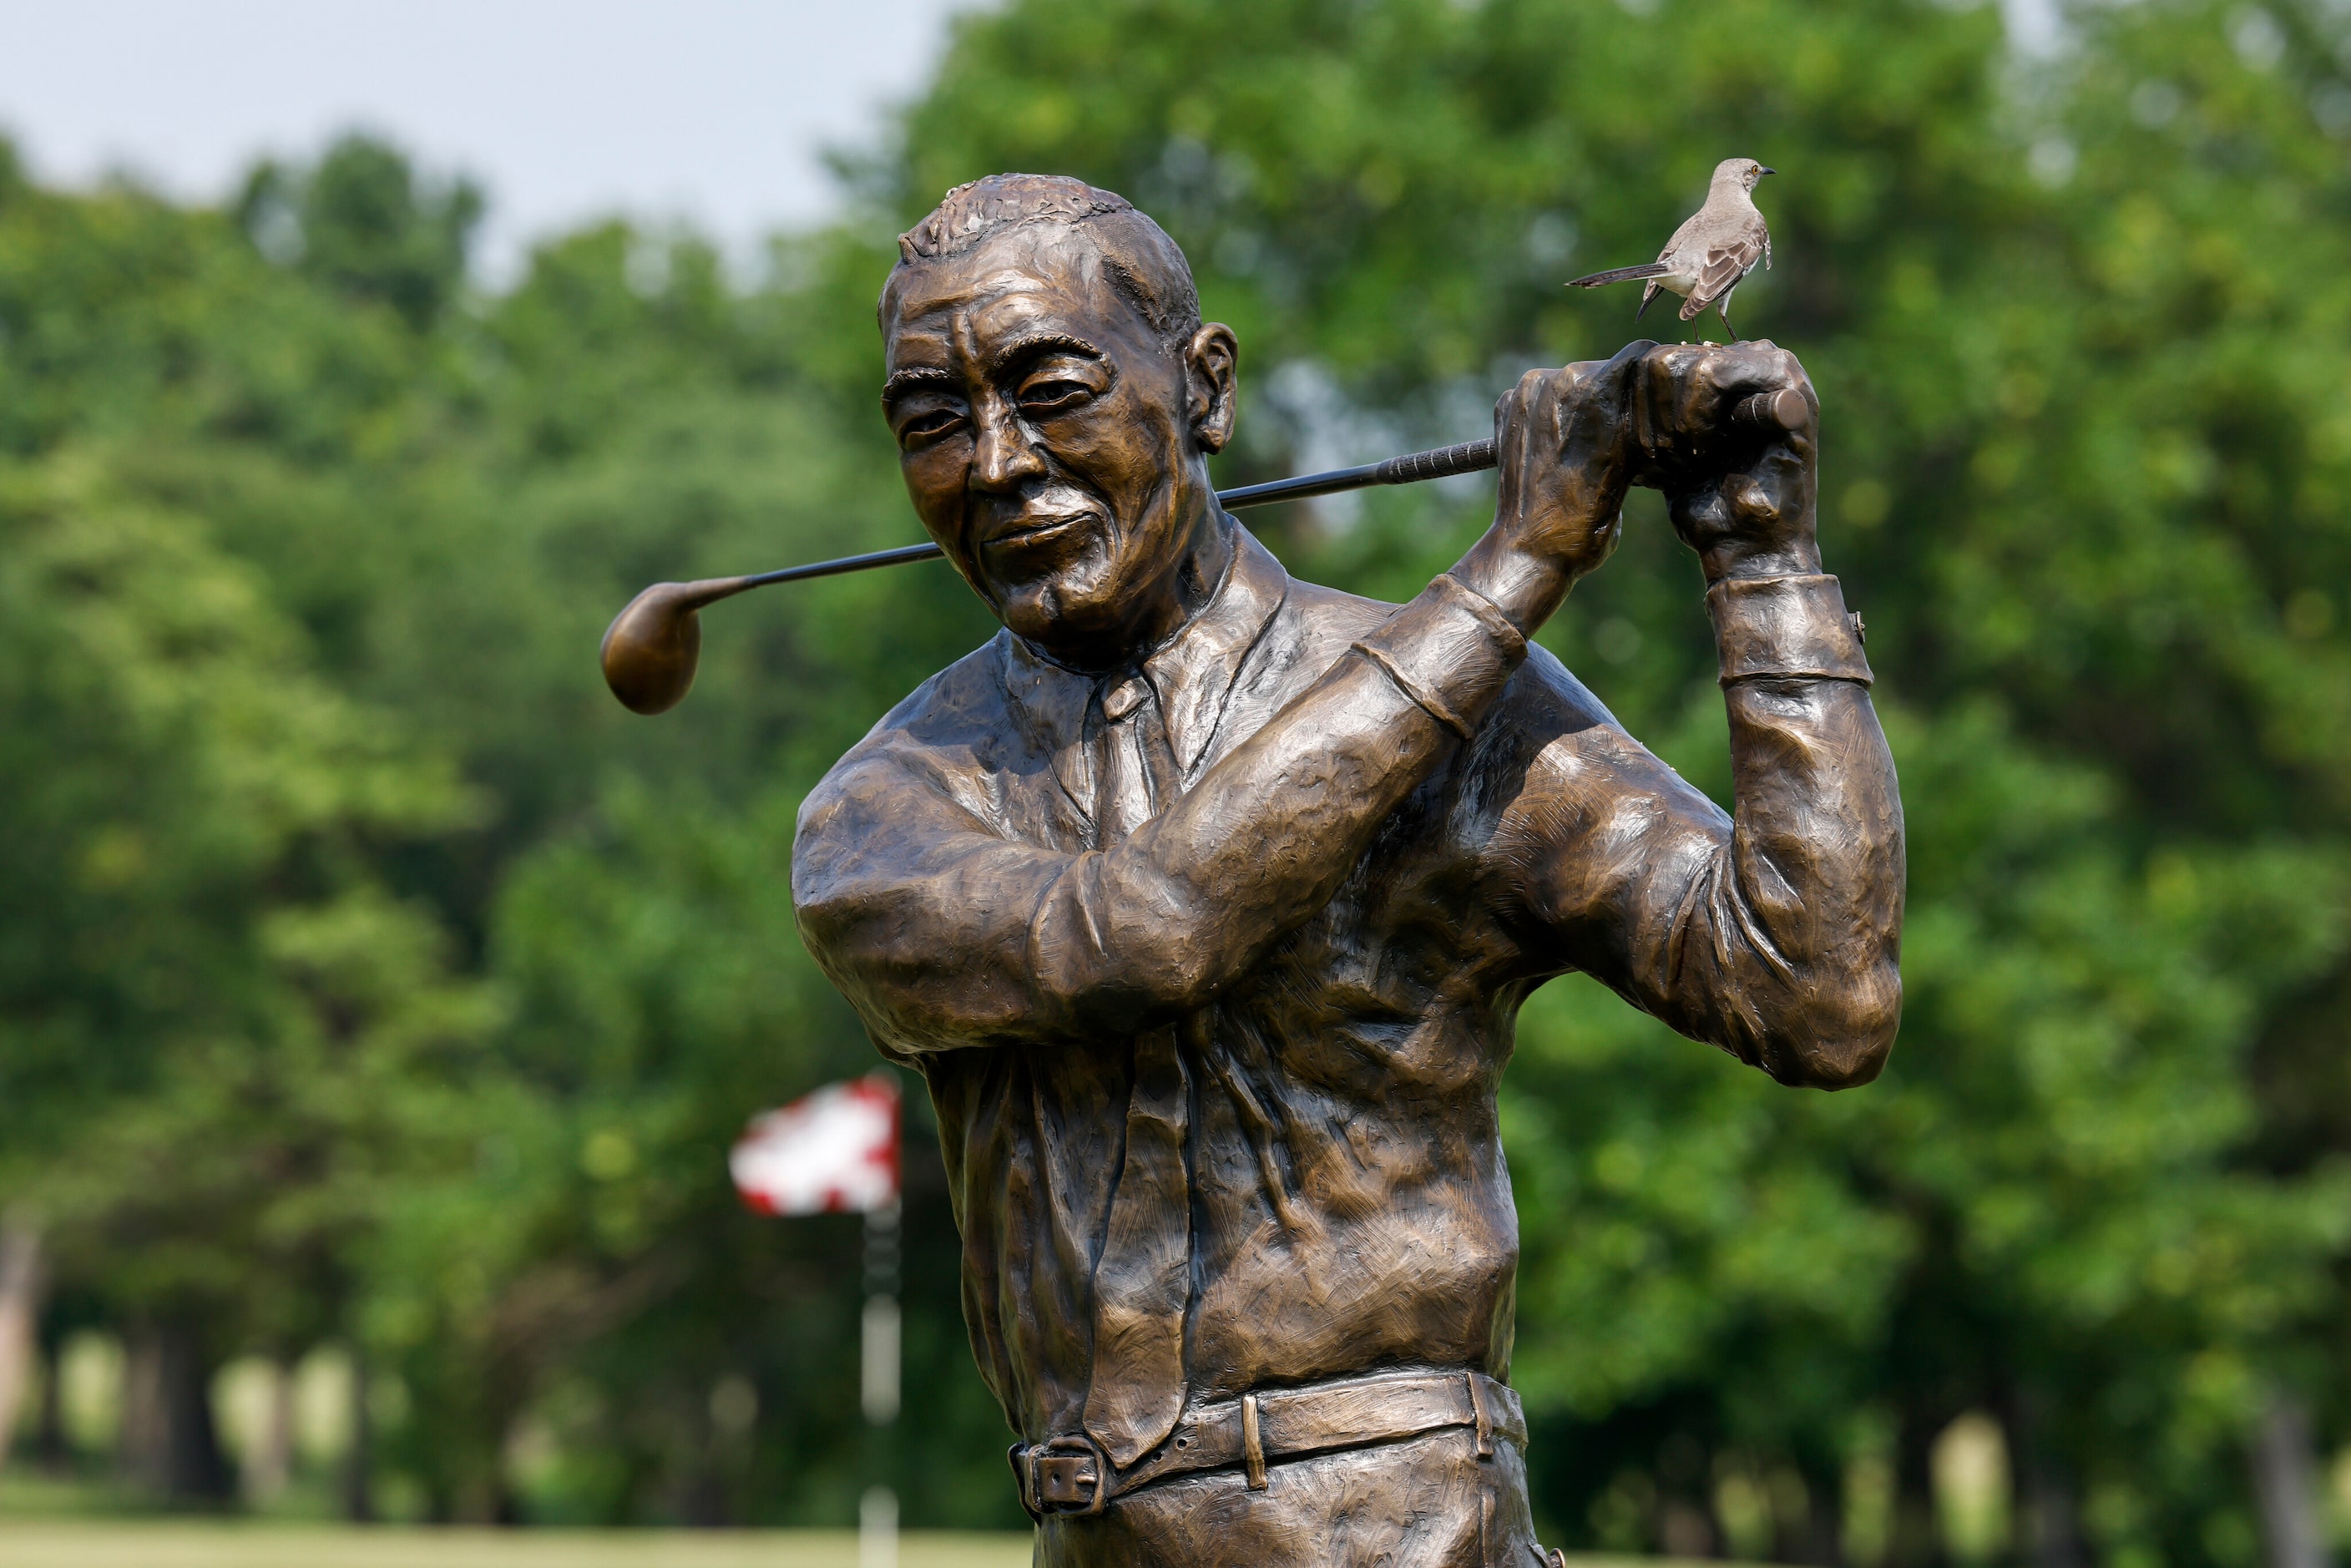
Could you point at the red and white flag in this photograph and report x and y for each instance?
(832, 1152)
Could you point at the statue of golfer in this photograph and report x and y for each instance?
(1205, 899)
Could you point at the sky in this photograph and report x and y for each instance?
(712, 111)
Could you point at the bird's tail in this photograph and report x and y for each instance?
(1621, 274)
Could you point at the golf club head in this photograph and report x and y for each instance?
(651, 649)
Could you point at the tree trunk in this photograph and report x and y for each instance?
(52, 1446)
(20, 1312)
(2041, 1496)
(2057, 1515)
(1817, 1538)
(1686, 1523)
(195, 1469)
(359, 1458)
(1917, 1537)
(2284, 1480)
(170, 1446)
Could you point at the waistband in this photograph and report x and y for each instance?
(1070, 1475)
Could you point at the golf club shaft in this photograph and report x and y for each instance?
(1783, 410)
(1411, 469)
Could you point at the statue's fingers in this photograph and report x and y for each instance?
(1620, 370)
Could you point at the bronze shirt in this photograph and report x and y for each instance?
(1341, 905)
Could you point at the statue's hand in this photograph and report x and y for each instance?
(1560, 436)
(1746, 502)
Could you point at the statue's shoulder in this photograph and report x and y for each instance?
(1544, 695)
(1311, 631)
(950, 724)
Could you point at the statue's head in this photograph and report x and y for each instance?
(1056, 396)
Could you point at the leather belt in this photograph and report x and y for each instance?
(1070, 1475)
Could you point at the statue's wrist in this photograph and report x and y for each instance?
(1734, 558)
(1450, 650)
(1527, 587)
(1788, 627)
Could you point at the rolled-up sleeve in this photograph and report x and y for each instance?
(1775, 931)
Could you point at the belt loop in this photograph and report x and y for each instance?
(1484, 1420)
(1024, 1477)
(1252, 1443)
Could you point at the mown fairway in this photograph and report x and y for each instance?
(182, 1546)
(179, 1545)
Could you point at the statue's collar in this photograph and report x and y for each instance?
(1191, 674)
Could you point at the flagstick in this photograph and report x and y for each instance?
(877, 1512)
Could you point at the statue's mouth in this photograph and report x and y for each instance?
(1027, 530)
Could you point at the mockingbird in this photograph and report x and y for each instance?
(1710, 254)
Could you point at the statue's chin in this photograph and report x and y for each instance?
(1053, 589)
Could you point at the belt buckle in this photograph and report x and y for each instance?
(1080, 1445)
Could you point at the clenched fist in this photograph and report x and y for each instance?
(1747, 503)
(1561, 438)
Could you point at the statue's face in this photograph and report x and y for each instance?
(1054, 447)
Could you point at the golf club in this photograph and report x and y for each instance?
(651, 649)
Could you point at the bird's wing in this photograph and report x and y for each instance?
(1724, 263)
(1681, 235)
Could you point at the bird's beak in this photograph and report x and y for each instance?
(1759, 172)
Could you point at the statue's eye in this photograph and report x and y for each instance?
(1053, 394)
(930, 422)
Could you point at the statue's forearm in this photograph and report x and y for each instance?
(1163, 921)
(1774, 933)
(946, 935)
(1801, 909)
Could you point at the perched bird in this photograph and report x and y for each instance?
(1711, 252)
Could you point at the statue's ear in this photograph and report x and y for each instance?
(1212, 384)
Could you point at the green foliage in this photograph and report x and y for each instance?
(174, 781)
(390, 986)
(360, 224)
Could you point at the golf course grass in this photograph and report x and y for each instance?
(177, 1544)
(26, 1544)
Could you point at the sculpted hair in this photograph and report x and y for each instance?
(1141, 262)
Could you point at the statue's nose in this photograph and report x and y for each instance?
(1005, 454)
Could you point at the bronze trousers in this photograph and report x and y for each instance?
(1425, 1502)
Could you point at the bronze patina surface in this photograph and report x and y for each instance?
(1205, 898)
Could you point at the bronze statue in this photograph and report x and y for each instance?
(1205, 899)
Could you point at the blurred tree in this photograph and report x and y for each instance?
(184, 803)
(361, 223)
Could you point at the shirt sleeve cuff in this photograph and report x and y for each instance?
(1785, 627)
(1449, 650)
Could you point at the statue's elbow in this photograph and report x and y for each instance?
(1192, 972)
(1846, 1034)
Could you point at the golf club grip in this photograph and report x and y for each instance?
(1765, 412)
(1468, 457)
(1772, 412)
